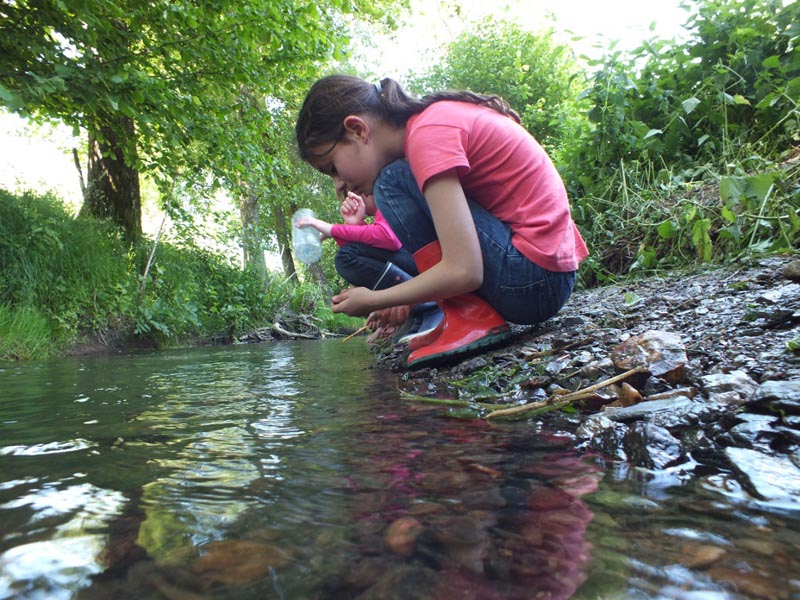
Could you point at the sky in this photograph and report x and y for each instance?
(589, 26)
(44, 162)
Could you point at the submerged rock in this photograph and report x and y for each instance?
(238, 562)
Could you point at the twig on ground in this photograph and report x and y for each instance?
(556, 401)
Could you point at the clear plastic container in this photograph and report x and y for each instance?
(306, 241)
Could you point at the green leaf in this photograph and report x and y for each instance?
(701, 239)
(739, 99)
(760, 185)
(630, 299)
(667, 230)
(769, 100)
(731, 188)
(651, 133)
(5, 94)
(728, 215)
(690, 104)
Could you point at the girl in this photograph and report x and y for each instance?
(370, 255)
(467, 190)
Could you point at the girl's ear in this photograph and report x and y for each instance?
(356, 127)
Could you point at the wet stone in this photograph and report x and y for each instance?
(754, 431)
(609, 442)
(790, 434)
(238, 562)
(791, 270)
(779, 295)
(652, 447)
(738, 382)
(403, 582)
(401, 537)
(772, 478)
(662, 353)
(647, 409)
(701, 556)
(748, 582)
(783, 396)
(593, 425)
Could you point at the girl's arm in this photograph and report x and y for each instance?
(322, 226)
(461, 267)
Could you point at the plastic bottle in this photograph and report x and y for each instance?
(306, 241)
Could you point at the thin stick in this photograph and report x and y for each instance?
(557, 400)
(356, 332)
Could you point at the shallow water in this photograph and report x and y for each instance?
(295, 470)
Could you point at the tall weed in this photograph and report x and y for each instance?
(684, 155)
(63, 278)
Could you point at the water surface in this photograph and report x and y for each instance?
(295, 470)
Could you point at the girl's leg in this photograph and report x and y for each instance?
(362, 265)
(521, 291)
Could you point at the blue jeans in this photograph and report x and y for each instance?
(362, 265)
(520, 290)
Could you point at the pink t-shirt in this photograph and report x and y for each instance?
(505, 170)
(377, 234)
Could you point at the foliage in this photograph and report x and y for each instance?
(24, 333)
(533, 73)
(175, 88)
(732, 89)
(72, 271)
(714, 114)
(66, 278)
(308, 298)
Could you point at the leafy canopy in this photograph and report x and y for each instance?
(176, 67)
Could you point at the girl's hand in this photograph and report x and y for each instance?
(322, 226)
(353, 209)
(388, 317)
(353, 301)
(384, 323)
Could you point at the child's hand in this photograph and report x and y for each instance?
(322, 226)
(353, 209)
(384, 323)
(388, 317)
(353, 301)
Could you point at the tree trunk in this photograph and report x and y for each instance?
(251, 234)
(112, 186)
(284, 236)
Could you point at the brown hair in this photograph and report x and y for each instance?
(332, 98)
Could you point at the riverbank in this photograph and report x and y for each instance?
(709, 366)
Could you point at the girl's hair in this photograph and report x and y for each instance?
(332, 98)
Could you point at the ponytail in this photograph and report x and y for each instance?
(320, 124)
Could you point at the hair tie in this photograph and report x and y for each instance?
(378, 87)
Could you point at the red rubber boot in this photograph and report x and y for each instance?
(470, 323)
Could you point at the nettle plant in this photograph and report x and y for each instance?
(720, 109)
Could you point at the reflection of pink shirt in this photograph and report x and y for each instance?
(377, 234)
(505, 170)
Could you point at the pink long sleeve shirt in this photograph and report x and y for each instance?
(377, 234)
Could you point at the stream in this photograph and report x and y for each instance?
(296, 470)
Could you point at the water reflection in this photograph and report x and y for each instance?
(295, 471)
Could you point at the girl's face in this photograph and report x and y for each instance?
(354, 162)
